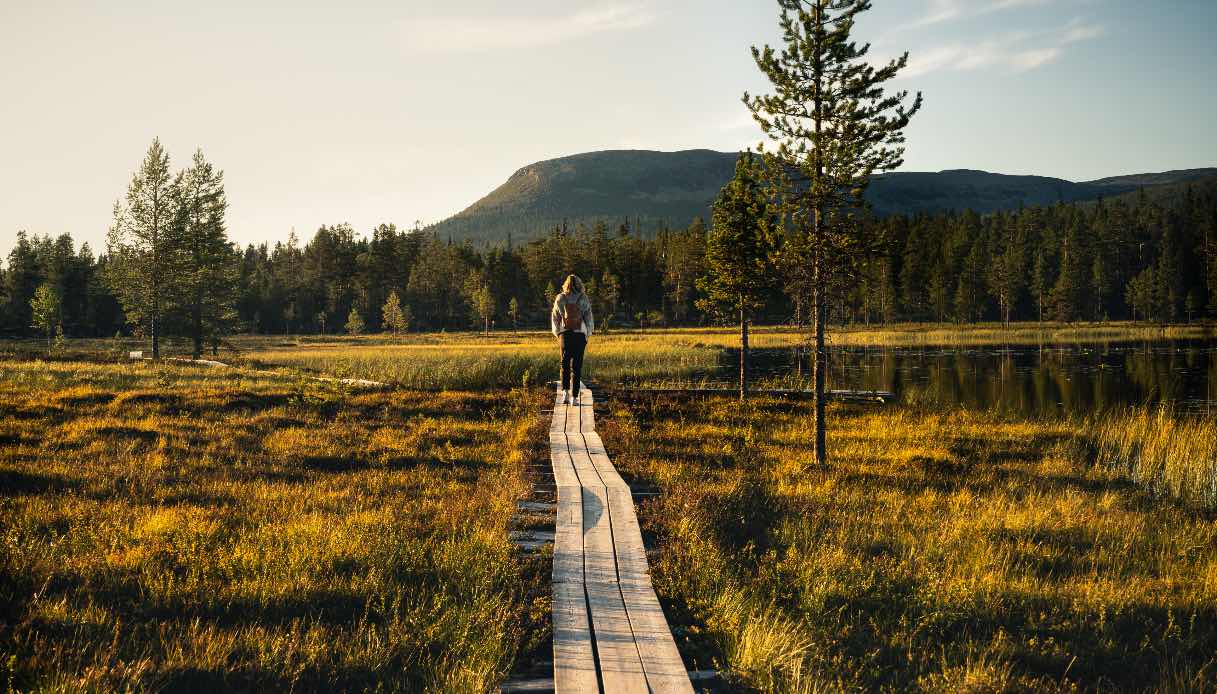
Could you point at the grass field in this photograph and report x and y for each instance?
(942, 551)
(173, 527)
(170, 526)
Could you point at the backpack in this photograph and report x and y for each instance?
(572, 316)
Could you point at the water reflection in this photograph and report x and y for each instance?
(1045, 379)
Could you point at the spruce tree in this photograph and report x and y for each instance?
(204, 263)
(139, 247)
(45, 310)
(739, 252)
(393, 317)
(513, 312)
(355, 323)
(832, 127)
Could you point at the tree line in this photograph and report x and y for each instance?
(1131, 258)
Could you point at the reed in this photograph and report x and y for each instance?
(1170, 454)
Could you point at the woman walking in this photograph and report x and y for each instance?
(572, 324)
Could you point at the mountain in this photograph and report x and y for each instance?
(653, 188)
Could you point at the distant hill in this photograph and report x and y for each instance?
(649, 188)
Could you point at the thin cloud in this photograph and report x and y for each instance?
(473, 34)
(1017, 52)
(946, 10)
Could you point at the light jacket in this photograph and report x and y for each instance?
(585, 307)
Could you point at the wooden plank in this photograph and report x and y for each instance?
(600, 460)
(571, 422)
(559, 457)
(661, 660)
(587, 419)
(574, 667)
(665, 671)
(620, 664)
(574, 662)
(602, 585)
(558, 423)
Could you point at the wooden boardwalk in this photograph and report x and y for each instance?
(610, 634)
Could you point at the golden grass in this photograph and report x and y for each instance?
(943, 334)
(171, 527)
(942, 551)
(467, 362)
(473, 360)
(1172, 455)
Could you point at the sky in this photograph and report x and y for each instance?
(409, 110)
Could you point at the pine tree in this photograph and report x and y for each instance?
(1008, 271)
(45, 310)
(1070, 299)
(139, 245)
(1169, 289)
(513, 312)
(833, 127)
(355, 323)
(1100, 287)
(392, 315)
(204, 263)
(739, 252)
(1140, 295)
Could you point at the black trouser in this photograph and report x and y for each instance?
(573, 344)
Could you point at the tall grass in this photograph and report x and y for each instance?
(941, 550)
(1172, 455)
(173, 527)
(467, 364)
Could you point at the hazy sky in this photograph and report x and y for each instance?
(362, 112)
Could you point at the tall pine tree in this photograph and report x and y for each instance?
(832, 127)
(139, 244)
(204, 262)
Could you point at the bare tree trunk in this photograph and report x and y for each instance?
(156, 342)
(197, 311)
(818, 361)
(743, 355)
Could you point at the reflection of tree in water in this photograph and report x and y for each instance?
(1047, 379)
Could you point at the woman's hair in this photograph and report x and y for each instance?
(572, 285)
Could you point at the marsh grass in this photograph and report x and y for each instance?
(469, 363)
(941, 550)
(1173, 455)
(173, 527)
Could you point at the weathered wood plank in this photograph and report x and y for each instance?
(558, 423)
(572, 418)
(600, 460)
(587, 419)
(559, 456)
(620, 664)
(574, 666)
(665, 671)
(602, 585)
(574, 661)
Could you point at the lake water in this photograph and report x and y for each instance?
(1046, 379)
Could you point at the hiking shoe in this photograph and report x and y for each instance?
(565, 397)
